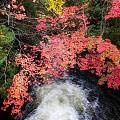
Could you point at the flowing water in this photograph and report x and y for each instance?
(71, 98)
(65, 101)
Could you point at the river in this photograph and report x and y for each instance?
(73, 97)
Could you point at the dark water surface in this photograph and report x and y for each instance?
(108, 99)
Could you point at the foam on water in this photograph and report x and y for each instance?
(63, 101)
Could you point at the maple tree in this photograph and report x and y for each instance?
(67, 44)
(114, 11)
(17, 94)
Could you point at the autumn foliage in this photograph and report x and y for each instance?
(114, 10)
(17, 94)
(67, 45)
(15, 9)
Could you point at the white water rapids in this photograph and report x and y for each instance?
(62, 101)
